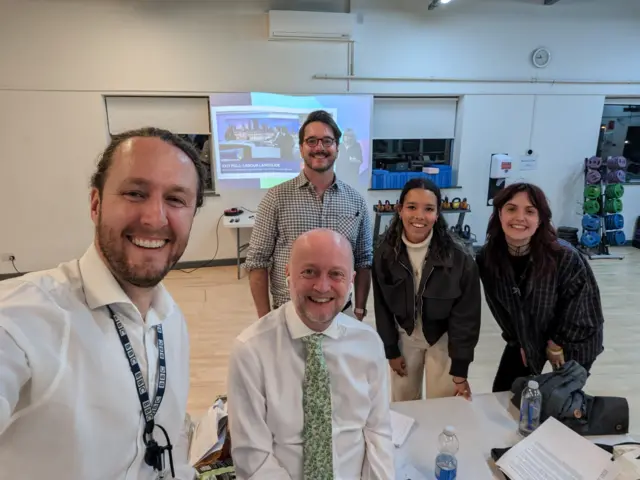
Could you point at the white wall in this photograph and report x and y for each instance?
(58, 58)
(631, 208)
(45, 165)
(494, 39)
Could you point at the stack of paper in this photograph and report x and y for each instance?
(400, 427)
(555, 452)
(627, 460)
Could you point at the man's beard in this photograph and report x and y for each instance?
(323, 169)
(138, 275)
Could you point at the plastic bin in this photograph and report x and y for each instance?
(379, 179)
(383, 179)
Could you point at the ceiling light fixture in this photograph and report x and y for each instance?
(437, 3)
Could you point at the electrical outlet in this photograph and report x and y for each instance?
(7, 257)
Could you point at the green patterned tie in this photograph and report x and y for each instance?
(316, 402)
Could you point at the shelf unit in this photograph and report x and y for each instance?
(601, 250)
(378, 221)
(454, 187)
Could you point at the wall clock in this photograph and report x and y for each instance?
(541, 57)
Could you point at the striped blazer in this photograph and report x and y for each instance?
(564, 307)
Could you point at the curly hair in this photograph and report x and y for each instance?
(441, 241)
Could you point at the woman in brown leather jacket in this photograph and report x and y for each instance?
(427, 299)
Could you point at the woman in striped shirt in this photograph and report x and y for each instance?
(540, 289)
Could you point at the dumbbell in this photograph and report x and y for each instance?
(614, 191)
(591, 222)
(616, 238)
(614, 222)
(591, 207)
(590, 239)
(613, 205)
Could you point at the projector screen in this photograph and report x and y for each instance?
(255, 137)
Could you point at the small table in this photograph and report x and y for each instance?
(244, 220)
(487, 421)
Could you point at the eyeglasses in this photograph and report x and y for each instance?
(326, 141)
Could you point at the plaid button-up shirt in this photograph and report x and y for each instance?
(564, 307)
(292, 208)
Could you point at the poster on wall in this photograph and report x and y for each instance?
(528, 162)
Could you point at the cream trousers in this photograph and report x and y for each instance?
(424, 362)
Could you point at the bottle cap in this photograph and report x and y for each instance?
(449, 430)
(533, 385)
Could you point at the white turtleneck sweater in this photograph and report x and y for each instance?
(417, 253)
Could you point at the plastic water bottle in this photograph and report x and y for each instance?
(446, 462)
(530, 408)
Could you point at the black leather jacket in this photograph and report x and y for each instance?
(449, 298)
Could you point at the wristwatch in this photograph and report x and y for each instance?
(360, 311)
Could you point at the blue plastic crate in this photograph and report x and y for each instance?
(383, 179)
(379, 179)
(443, 178)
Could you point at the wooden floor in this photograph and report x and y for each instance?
(218, 307)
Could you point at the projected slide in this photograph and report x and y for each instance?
(255, 137)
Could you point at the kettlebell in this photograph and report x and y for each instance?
(464, 205)
(387, 206)
(379, 207)
(455, 203)
(466, 233)
(445, 204)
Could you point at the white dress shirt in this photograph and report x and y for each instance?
(69, 406)
(266, 372)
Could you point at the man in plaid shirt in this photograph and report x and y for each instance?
(314, 199)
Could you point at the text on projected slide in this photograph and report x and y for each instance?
(256, 144)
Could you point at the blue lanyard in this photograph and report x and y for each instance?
(153, 453)
(148, 410)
